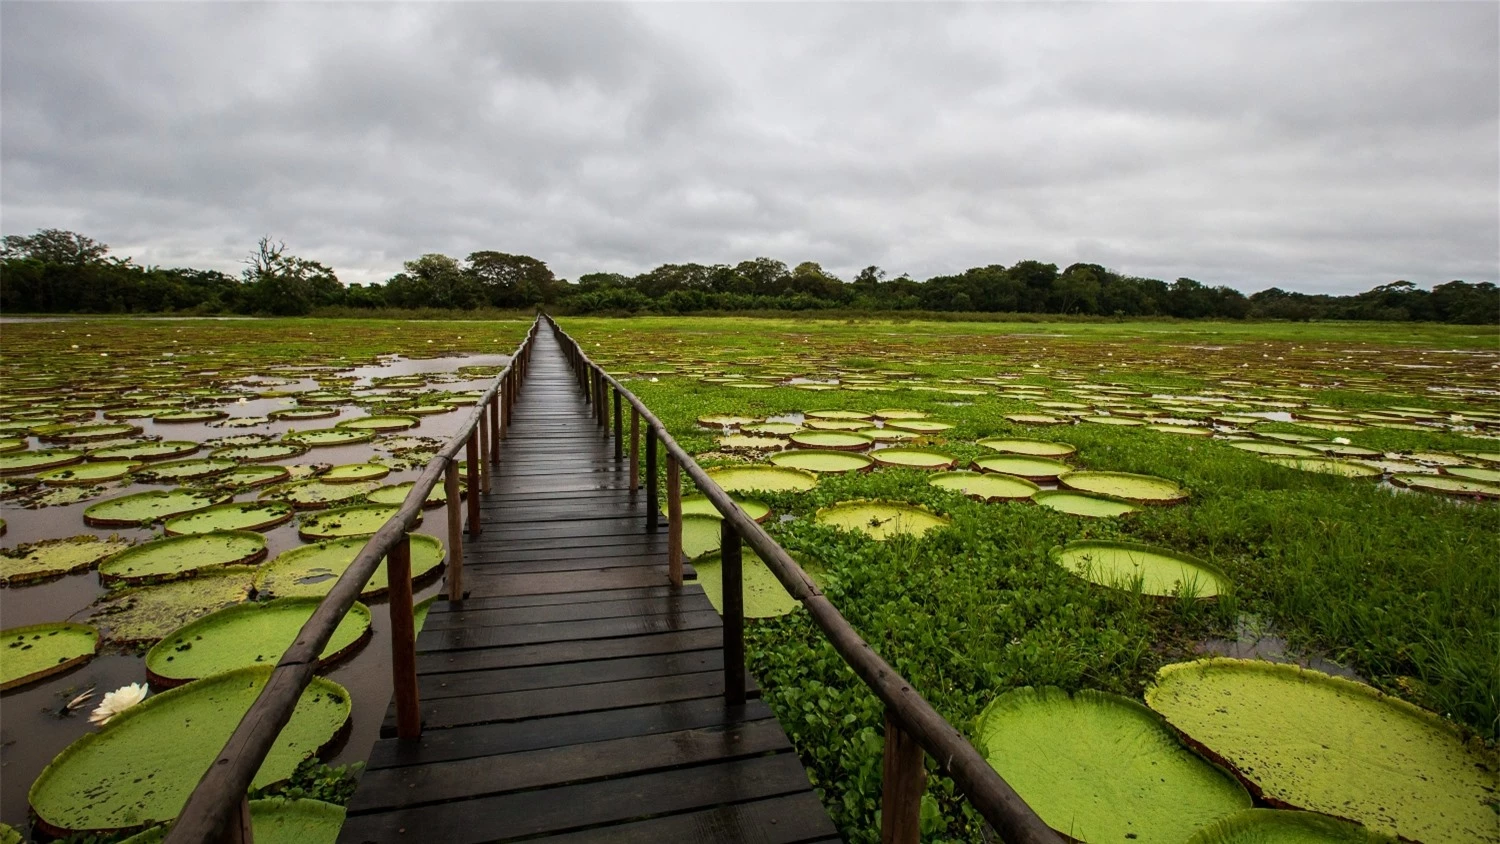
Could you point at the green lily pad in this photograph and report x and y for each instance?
(918, 426)
(1033, 448)
(248, 634)
(1276, 449)
(1446, 485)
(762, 478)
(395, 494)
(233, 516)
(315, 494)
(277, 820)
(1126, 565)
(143, 614)
(150, 451)
(837, 424)
(1141, 489)
(359, 520)
(141, 766)
(19, 462)
(11, 444)
(1117, 421)
(1305, 739)
(32, 653)
(1183, 430)
(322, 437)
(9, 835)
(1035, 419)
(1490, 457)
(262, 452)
(303, 413)
(84, 474)
(99, 431)
(253, 476)
(1288, 437)
(311, 570)
(881, 519)
(858, 415)
(887, 435)
(1083, 503)
(831, 440)
(899, 413)
(1328, 466)
(182, 556)
(1279, 826)
(724, 420)
(1099, 767)
(744, 442)
(1023, 466)
(701, 533)
(143, 507)
(700, 505)
(985, 486)
(55, 557)
(381, 423)
(774, 429)
(185, 416)
(351, 472)
(1474, 473)
(177, 471)
(913, 458)
(764, 596)
(811, 460)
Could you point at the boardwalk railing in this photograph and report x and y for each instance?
(219, 809)
(913, 728)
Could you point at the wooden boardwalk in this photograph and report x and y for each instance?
(575, 695)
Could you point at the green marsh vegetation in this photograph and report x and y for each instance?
(1394, 586)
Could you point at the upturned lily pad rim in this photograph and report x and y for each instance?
(1054, 449)
(984, 464)
(1445, 484)
(1024, 484)
(53, 573)
(810, 440)
(63, 457)
(1115, 544)
(113, 471)
(156, 545)
(166, 681)
(883, 458)
(1249, 827)
(1183, 492)
(794, 453)
(275, 516)
(809, 478)
(58, 668)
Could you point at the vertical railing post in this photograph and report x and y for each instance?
(483, 455)
(455, 531)
(674, 521)
(239, 829)
(471, 452)
(733, 602)
(403, 640)
(651, 504)
(619, 429)
(506, 406)
(635, 450)
(602, 409)
(903, 779)
(495, 428)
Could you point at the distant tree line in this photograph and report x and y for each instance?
(54, 271)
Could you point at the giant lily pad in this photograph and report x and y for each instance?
(354, 472)
(1035, 419)
(700, 505)
(277, 820)
(898, 413)
(881, 519)
(772, 429)
(84, 474)
(185, 416)
(1083, 503)
(315, 494)
(146, 613)
(764, 596)
(845, 415)
(143, 507)
(1302, 738)
(324, 437)
(233, 516)
(1447, 485)
(140, 767)
(1142, 489)
(1157, 571)
(743, 442)
(1481, 474)
(985, 486)
(19, 462)
(303, 413)
(183, 556)
(1275, 448)
(359, 520)
(55, 557)
(913, 458)
(1034, 448)
(247, 634)
(1279, 826)
(701, 533)
(261, 452)
(762, 478)
(812, 460)
(253, 475)
(82, 433)
(150, 451)
(1102, 768)
(28, 654)
(919, 426)
(184, 470)
(831, 440)
(311, 570)
(1328, 466)
(1023, 466)
(381, 423)
(396, 494)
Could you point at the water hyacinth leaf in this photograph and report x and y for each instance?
(233, 516)
(831, 440)
(1023, 466)
(762, 478)
(913, 458)
(881, 519)
(1280, 826)
(1141, 489)
(1083, 503)
(311, 570)
(83, 474)
(55, 557)
(815, 460)
(144, 614)
(1305, 739)
(247, 634)
(1034, 448)
(1099, 767)
(38, 651)
(144, 507)
(985, 486)
(359, 520)
(764, 596)
(1155, 571)
(1182, 430)
(140, 767)
(182, 556)
(18, 462)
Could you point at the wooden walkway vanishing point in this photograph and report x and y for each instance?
(575, 695)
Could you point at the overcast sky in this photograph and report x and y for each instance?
(1312, 146)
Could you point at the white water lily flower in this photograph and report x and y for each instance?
(118, 701)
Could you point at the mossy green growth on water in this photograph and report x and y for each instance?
(31, 653)
(182, 556)
(247, 634)
(311, 570)
(146, 613)
(1307, 739)
(140, 767)
(1100, 767)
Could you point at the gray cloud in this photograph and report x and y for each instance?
(1325, 147)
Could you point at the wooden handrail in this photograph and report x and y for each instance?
(212, 812)
(907, 713)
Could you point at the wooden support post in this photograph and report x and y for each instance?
(602, 409)
(495, 428)
(635, 450)
(903, 779)
(471, 452)
(506, 406)
(238, 830)
(455, 532)
(403, 641)
(674, 521)
(619, 428)
(651, 503)
(483, 432)
(733, 584)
